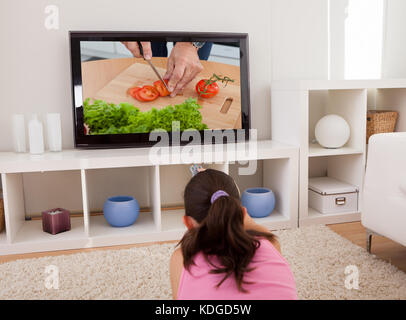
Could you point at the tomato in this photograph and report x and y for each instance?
(132, 91)
(147, 93)
(163, 92)
(206, 88)
(136, 96)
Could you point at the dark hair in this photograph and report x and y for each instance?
(221, 230)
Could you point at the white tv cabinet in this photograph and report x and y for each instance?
(296, 108)
(278, 163)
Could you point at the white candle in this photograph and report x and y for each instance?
(54, 132)
(18, 124)
(36, 136)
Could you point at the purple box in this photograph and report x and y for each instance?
(56, 220)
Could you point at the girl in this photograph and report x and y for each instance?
(225, 254)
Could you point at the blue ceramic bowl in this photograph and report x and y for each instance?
(121, 211)
(259, 202)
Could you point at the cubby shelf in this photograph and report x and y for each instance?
(316, 150)
(321, 218)
(172, 220)
(273, 220)
(297, 105)
(157, 182)
(28, 232)
(100, 228)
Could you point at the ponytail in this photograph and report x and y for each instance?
(221, 233)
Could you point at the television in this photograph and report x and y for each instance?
(119, 99)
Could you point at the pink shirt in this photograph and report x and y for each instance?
(272, 279)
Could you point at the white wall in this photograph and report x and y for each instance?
(299, 39)
(34, 62)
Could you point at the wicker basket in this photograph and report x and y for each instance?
(2, 222)
(380, 121)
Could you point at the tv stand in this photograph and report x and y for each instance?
(279, 169)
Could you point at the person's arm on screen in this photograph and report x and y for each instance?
(132, 46)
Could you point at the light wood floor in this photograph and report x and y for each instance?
(382, 247)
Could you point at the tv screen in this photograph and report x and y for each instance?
(126, 85)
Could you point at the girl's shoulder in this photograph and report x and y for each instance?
(268, 249)
(266, 242)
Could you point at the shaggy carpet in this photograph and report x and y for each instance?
(318, 258)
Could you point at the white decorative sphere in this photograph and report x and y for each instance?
(332, 131)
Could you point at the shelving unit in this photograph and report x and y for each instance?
(162, 179)
(296, 108)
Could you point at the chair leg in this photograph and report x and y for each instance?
(369, 241)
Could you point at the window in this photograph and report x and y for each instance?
(356, 38)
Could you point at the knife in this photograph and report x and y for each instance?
(152, 66)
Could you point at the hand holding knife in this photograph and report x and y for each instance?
(151, 65)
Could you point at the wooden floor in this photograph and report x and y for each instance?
(382, 247)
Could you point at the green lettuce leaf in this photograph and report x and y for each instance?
(109, 118)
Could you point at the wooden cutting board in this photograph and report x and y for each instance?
(217, 112)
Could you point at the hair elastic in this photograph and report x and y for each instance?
(218, 194)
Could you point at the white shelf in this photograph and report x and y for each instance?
(99, 227)
(274, 221)
(316, 150)
(315, 217)
(11, 162)
(102, 234)
(172, 220)
(31, 238)
(31, 232)
(163, 181)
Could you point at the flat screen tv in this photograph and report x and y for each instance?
(119, 99)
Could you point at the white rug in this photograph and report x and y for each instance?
(317, 255)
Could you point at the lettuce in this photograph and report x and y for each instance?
(108, 118)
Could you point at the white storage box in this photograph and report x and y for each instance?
(328, 195)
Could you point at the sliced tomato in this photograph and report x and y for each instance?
(205, 89)
(147, 93)
(132, 91)
(163, 92)
(136, 96)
